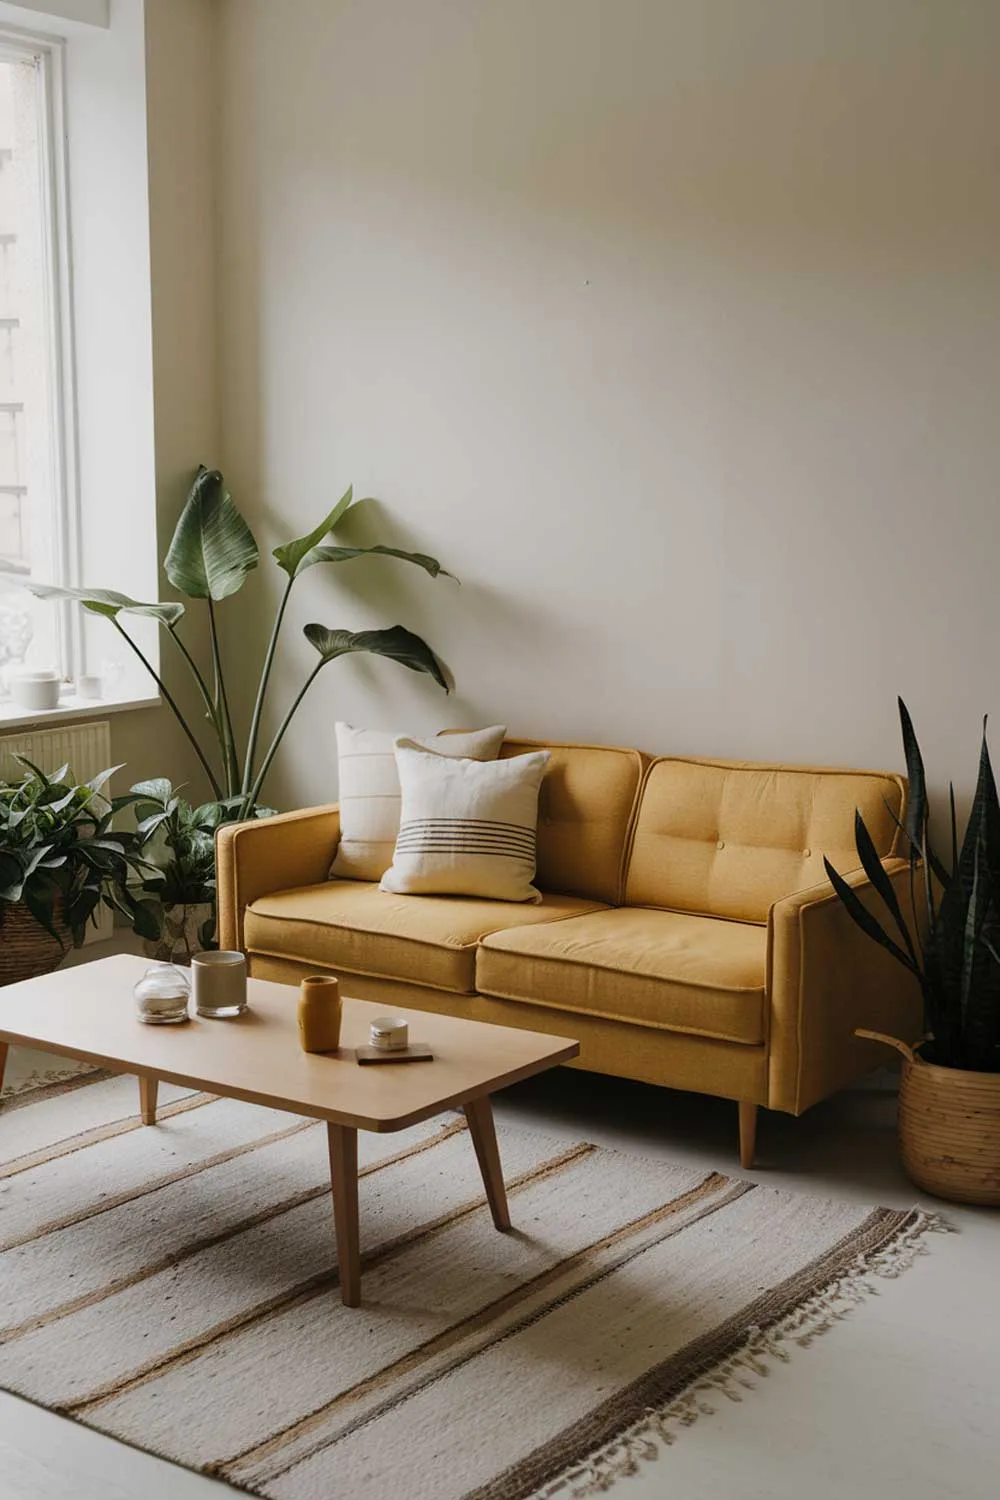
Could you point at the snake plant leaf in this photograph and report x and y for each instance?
(213, 550)
(348, 554)
(109, 603)
(397, 643)
(863, 918)
(290, 555)
(921, 850)
(875, 870)
(916, 807)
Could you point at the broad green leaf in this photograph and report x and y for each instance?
(397, 643)
(145, 918)
(213, 549)
(109, 603)
(81, 910)
(103, 777)
(24, 761)
(150, 825)
(290, 554)
(12, 877)
(158, 790)
(348, 554)
(40, 899)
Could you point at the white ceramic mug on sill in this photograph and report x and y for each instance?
(34, 688)
(219, 984)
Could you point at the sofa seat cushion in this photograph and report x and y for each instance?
(662, 969)
(353, 926)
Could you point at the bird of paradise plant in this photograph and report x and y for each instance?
(211, 556)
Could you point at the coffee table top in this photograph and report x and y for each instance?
(88, 1012)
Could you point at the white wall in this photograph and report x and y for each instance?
(671, 326)
(177, 138)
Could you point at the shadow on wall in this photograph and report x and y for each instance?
(479, 619)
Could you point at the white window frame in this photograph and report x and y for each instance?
(49, 54)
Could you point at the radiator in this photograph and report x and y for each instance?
(87, 749)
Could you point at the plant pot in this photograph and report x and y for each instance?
(180, 937)
(26, 949)
(949, 1131)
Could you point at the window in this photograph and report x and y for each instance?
(37, 506)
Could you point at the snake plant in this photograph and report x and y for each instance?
(211, 556)
(952, 945)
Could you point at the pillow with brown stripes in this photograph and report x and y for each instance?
(369, 792)
(466, 827)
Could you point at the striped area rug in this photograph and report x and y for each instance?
(176, 1287)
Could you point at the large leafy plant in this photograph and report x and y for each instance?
(178, 841)
(61, 857)
(952, 945)
(211, 556)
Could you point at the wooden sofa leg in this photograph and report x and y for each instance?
(748, 1133)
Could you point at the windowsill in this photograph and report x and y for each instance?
(13, 716)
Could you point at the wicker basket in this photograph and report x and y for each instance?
(949, 1128)
(26, 949)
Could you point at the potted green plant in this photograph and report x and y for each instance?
(60, 859)
(210, 558)
(178, 840)
(949, 940)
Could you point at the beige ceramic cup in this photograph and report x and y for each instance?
(219, 984)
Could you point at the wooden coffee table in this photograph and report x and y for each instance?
(88, 1012)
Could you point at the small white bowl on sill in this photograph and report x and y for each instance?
(34, 688)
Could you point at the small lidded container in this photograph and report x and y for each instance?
(389, 1034)
(161, 996)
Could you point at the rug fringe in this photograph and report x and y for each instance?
(640, 1443)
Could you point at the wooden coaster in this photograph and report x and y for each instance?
(415, 1052)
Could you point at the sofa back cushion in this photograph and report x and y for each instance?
(729, 838)
(585, 812)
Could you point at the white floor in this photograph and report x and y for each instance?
(901, 1399)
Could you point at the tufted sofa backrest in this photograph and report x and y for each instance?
(585, 812)
(729, 838)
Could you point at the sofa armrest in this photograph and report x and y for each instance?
(270, 854)
(824, 978)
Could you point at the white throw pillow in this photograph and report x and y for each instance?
(467, 827)
(369, 792)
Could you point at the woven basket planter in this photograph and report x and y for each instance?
(949, 1131)
(26, 949)
(949, 1127)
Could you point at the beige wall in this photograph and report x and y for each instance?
(181, 80)
(671, 326)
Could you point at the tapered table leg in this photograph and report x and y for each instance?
(3, 1060)
(479, 1113)
(148, 1089)
(343, 1143)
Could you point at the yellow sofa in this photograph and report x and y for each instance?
(687, 936)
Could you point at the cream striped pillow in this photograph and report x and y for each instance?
(369, 792)
(467, 828)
